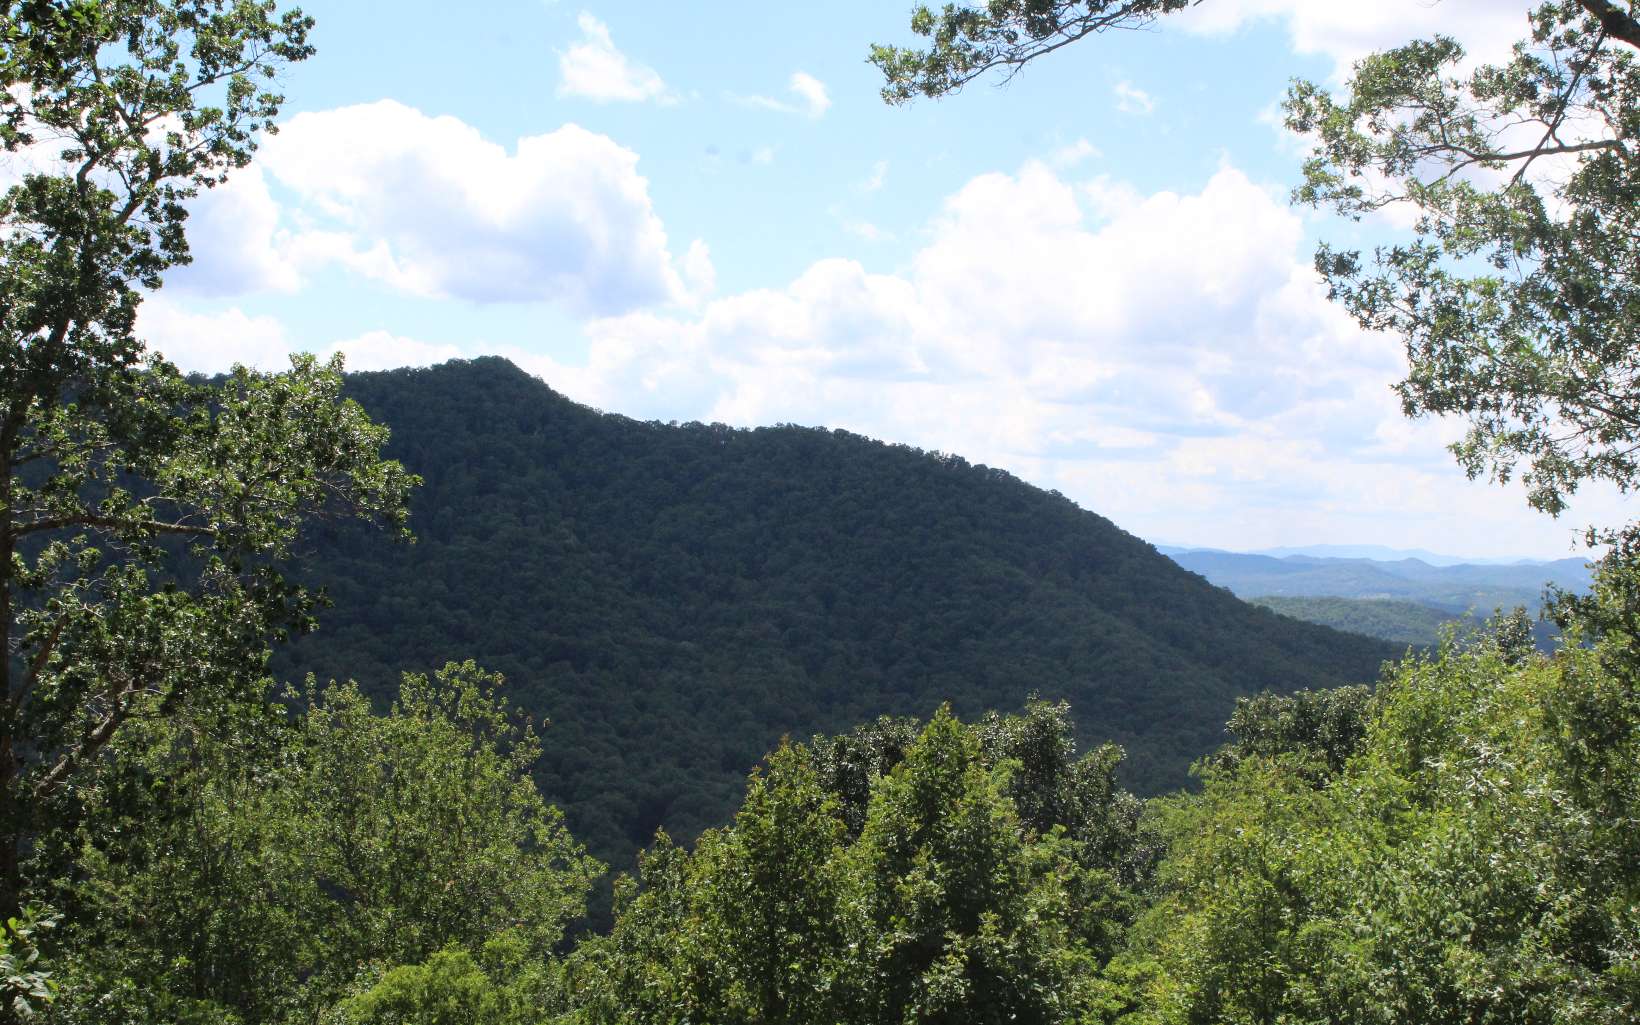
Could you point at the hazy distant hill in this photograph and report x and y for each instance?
(676, 598)
(1457, 589)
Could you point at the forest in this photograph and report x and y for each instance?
(674, 599)
(333, 698)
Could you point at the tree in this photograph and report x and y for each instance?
(270, 869)
(502, 986)
(884, 875)
(967, 42)
(1517, 298)
(1321, 729)
(143, 515)
(22, 982)
(963, 915)
(1475, 859)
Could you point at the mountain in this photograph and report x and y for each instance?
(1404, 622)
(673, 599)
(1379, 553)
(1455, 589)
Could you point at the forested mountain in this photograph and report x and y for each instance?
(676, 598)
(1404, 622)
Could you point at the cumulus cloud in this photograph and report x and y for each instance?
(240, 246)
(429, 206)
(810, 98)
(594, 69)
(698, 270)
(867, 231)
(213, 342)
(382, 350)
(1347, 32)
(1164, 319)
(1167, 359)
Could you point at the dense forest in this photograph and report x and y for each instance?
(674, 599)
(842, 671)
(1403, 622)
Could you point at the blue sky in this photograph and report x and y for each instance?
(1090, 277)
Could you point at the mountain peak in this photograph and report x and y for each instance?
(675, 599)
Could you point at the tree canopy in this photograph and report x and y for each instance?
(272, 869)
(143, 515)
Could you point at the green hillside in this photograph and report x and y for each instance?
(1404, 622)
(675, 598)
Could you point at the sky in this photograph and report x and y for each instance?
(1091, 277)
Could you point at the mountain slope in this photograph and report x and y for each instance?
(676, 598)
(1403, 622)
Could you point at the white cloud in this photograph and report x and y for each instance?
(812, 100)
(429, 206)
(594, 69)
(1346, 32)
(238, 245)
(1166, 359)
(381, 350)
(1130, 99)
(213, 342)
(812, 92)
(879, 177)
(698, 270)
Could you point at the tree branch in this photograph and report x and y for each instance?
(111, 523)
(1616, 22)
(93, 741)
(38, 663)
(1560, 114)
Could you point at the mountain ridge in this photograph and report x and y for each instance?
(675, 598)
(1458, 589)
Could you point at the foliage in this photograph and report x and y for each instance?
(266, 872)
(1516, 298)
(1320, 730)
(945, 904)
(968, 41)
(449, 989)
(961, 917)
(142, 515)
(675, 598)
(1474, 860)
(25, 987)
(503, 985)
(1404, 622)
